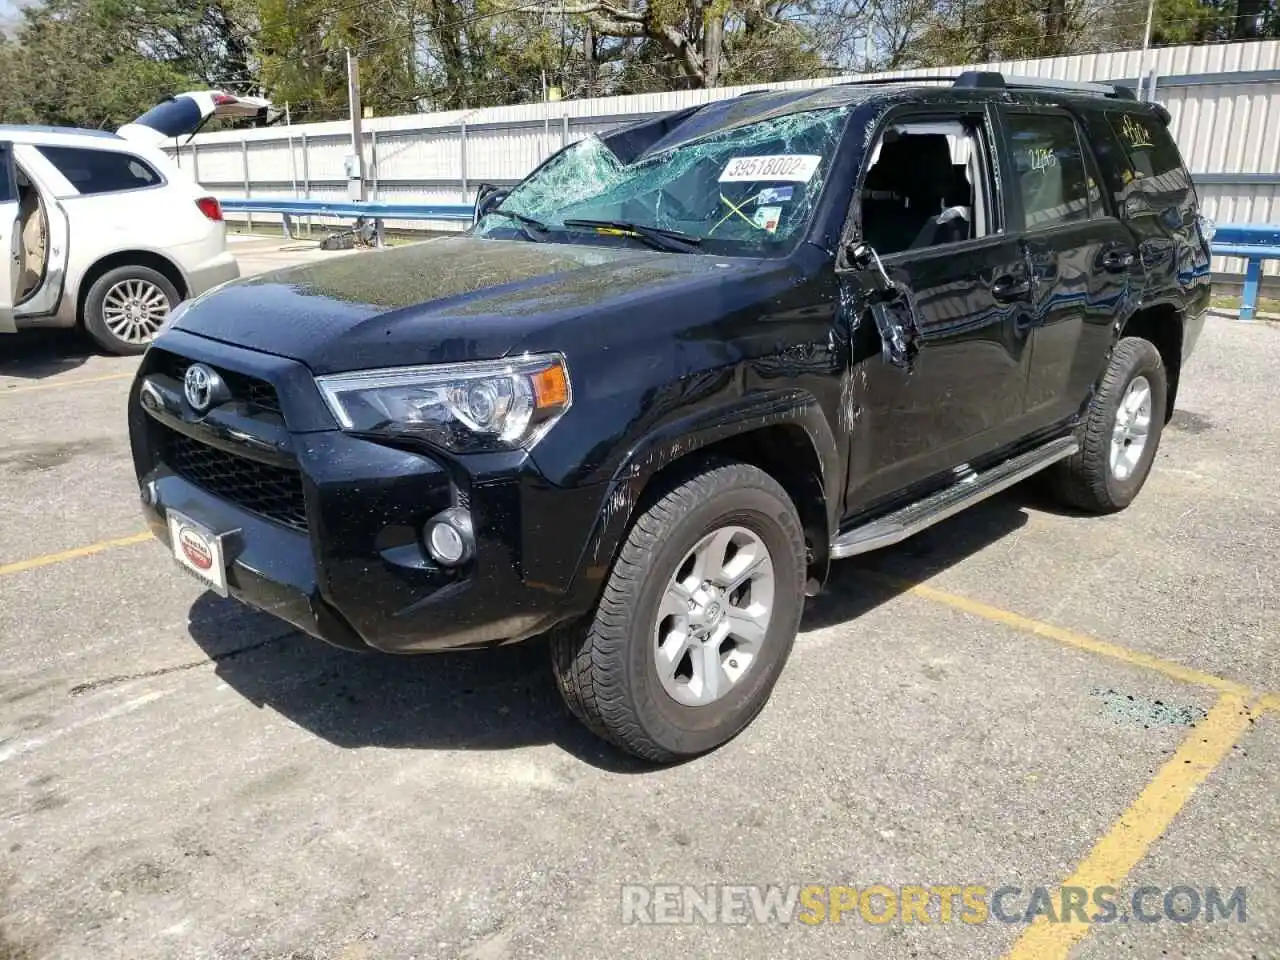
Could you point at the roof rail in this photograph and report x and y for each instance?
(990, 80)
(882, 81)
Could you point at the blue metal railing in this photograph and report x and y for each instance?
(377, 211)
(1256, 243)
(369, 209)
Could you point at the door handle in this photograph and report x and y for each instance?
(1118, 259)
(1008, 288)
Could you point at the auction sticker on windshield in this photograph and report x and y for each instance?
(796, 167)
(198, 550)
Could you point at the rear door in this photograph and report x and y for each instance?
(10, 238)
(1156, 198)
(1083, 261)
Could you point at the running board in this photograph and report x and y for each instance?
(965, 492)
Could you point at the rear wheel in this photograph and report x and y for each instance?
(697, 619)
(1120, 434)
(127, 306)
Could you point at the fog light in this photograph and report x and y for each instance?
(449, 538)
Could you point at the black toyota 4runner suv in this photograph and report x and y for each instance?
(665, 380)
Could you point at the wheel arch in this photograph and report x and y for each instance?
(786, 435)
(129, 258)
(1161, 324)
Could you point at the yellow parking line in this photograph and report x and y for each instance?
(1080, 641)
(90, 550)
(67, 383)
(1127, 842)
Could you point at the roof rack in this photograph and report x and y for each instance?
(990, 80)
(882, 81)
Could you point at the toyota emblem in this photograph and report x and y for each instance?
(202, 387)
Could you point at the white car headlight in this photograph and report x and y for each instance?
(464, 407)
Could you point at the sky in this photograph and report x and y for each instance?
(8, 13)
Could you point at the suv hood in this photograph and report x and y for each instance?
(183, 115)
(444, 300)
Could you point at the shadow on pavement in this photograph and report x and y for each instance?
(505, 698)
(482, 700)
(36, 354)
(859, 585)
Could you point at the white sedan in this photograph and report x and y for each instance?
(107, 232)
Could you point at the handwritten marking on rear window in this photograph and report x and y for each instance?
(1136, 133)
(795, 168)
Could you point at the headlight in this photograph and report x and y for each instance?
(464, 407)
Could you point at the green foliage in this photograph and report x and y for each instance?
(302, 48)
(102, 62)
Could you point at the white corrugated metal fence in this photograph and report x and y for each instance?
(1224, 100)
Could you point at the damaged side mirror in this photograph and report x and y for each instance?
(488, 199)
(890, 304)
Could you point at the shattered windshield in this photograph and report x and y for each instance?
(748, 190)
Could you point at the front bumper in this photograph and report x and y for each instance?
(323, 529)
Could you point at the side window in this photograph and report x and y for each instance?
(8, 184)
(101, 171)
(927, 184)
(1153, 159)
(1050, 172)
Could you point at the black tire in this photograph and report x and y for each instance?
(95, 323)
(605, 670)
(1086, 481)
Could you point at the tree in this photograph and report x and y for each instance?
(100, 63)
(303, 51)
(700, 43)
(67, 65)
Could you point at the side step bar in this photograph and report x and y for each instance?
(972, 487)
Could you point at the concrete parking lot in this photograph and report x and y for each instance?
(1019, 697)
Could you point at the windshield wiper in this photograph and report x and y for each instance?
(532, 228)
(659, 238)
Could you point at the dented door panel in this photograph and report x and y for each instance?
(962, 394)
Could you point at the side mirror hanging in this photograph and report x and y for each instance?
(890, 306)
(488, 198)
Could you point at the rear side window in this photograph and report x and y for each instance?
(1152, 160)
(101, 171)
(1147, 144)
(8, 184)
(1050, 172)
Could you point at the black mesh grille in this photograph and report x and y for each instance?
(271, 492)
(251, 390)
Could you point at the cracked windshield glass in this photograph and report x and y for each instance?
(748, 190)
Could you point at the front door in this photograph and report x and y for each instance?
(930, 208)
(10, 238)
(1084, 263)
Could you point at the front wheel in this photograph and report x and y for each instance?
(696, 621)
(126, 308)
